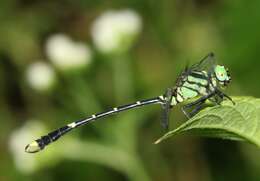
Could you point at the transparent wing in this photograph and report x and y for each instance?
(166, 109)
(165, 116)
(206, 64)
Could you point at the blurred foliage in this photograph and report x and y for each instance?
(175, 33)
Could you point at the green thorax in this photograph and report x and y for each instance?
(191, 85)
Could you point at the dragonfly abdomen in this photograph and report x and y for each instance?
(39, 144)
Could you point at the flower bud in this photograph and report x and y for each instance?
(66, 54)
(115, 31)
(40, 76)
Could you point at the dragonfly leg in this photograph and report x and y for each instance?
(216, 99)
(222, 95)
(166, 106)
(184, 110)
(197, 103)
(196, 109)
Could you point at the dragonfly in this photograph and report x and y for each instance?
(202, 81)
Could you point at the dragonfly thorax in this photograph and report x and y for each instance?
(191, 84)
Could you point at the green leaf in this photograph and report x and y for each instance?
(235, 122)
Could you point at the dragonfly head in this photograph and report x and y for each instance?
(222, 75)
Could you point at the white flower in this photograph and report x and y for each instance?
(40, 76)
(66, 54)
(115, 31)
(26, 163)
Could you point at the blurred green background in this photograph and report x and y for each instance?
(64, 60)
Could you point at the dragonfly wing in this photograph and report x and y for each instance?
(165, 117)
(206, 64)
(166, 107)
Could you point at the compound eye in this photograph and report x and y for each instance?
(220, 75)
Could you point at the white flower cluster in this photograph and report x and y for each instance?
(66, 54)
(115, 31)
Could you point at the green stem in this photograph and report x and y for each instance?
(124, 92)
(83, 95)
(110, 156)
(123, 79)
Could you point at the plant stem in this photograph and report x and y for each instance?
(110, 156)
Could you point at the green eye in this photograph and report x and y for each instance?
(221, 73)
